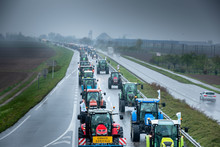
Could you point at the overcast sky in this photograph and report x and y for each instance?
(192, 20)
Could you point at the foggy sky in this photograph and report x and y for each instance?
(191, 20)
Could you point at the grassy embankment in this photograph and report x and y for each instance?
(201, 128)
(170, 75)
(14, 110)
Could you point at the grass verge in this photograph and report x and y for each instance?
(170, 75)
(202, 128)
(14, 110)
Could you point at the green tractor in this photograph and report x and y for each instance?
(102, 66)
(83, 57)
(165, 133)
(128, 94)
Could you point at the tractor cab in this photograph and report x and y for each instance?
(89, 83)
(84, 57)
(83, 70)
(100, 129)
(93, 98)
(115, 79)
(165, 133)
(88, 74)
(128, 94)
(102, 66)
(84, 63)
(146, 110)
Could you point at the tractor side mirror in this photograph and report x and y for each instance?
(163, 104)
(96, 61)
(97, 80)
(142, 86)
(77, 62)
(135, 108)
(81, 93)
(80, 102)
(79, 117)
(104, 93)
(186, 129)
(121, 117)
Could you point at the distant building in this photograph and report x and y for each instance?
(104, 37)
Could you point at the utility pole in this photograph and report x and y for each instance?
(53, 70)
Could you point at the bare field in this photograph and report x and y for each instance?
(17, 62)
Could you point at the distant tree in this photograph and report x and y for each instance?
(51, 36)
(139, 43)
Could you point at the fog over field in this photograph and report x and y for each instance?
(196, 20)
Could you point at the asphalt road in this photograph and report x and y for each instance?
(53, 122)
(188, 92)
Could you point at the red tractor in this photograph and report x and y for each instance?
(100, 129)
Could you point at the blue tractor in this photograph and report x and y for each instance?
(146, 109)
(89, 83)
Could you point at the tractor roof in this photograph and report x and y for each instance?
(89, 79)
(129, 83)
(94, 111)
(164, 122)
(94, 90)
(148, 100)
(88, 71)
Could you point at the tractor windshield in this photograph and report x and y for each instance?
(131, 88)
(102, 61)
(88, 74)
(89, 68)
(115, 75)
(166, 131)
(100, 118)
(148, 108)
(84, 63)
(92, 96)
(89, 82)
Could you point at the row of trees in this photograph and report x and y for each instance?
(15, 37)
(58, 37)
(189, 63)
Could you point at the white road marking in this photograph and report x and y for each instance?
(70, 128)
(63, 141)
(16, 127)
(41, 104)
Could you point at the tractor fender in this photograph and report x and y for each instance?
(146, 121)
(181, 142)
(160, 115)
(147, 141)
(134, 116)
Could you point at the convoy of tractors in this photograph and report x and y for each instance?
(97, 127)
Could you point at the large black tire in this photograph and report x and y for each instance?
(121, 132)
(80, 133)
(121, 105)
(109, 83)
(120, 84)
(98, 70)
(107, 70)
(116, 141)
(135, 133)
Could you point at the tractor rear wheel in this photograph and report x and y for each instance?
(107, 70)
(122, 106)
(80, 133)
(98, 70)
(135, 137)
(109, 84)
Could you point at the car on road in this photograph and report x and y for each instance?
(208, 95)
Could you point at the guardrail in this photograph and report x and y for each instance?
(186, 135)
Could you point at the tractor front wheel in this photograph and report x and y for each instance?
(122, 106)
(109, 84)
(135, 137)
